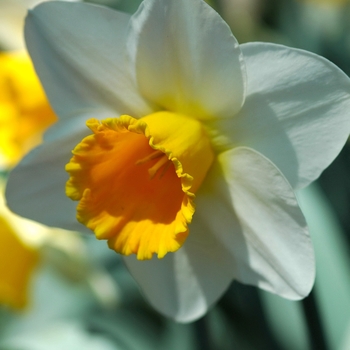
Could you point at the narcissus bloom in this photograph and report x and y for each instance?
(193, 148)
(17, 261)
(24, 110)
(18, 256)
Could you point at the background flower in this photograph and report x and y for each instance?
(24, 110)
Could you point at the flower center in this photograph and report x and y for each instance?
(135, 180)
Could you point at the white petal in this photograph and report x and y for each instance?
(79, 54)
(183, 285)
(296, 111)
(250, 207)
(186, 58)
(36, 187)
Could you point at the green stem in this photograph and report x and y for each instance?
(202, 332)
(317, 337)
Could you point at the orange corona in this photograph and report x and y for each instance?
(135, 180)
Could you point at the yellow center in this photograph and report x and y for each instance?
(135, 180)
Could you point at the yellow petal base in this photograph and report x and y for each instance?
(135, 180)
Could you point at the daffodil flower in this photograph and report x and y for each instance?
(17, 262)
(19, 256)
(24, 110)
(193, 148)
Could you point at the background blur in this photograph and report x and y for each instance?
(77, 294)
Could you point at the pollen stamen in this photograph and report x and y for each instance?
(161, 162)
(165, 169)
(154, 155)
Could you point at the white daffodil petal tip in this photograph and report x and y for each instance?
(192, 64)
(70, 56)
(296, 111)
(248, 205)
